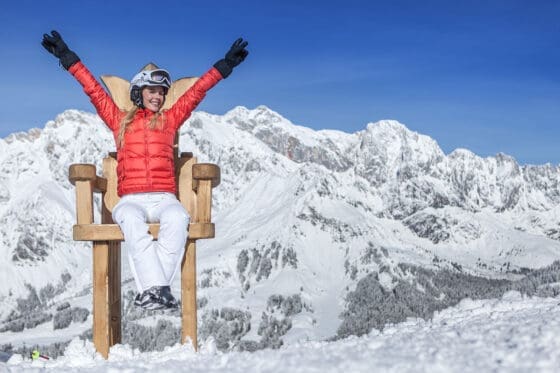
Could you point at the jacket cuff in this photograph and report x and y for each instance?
(223, 67)
(68, 59)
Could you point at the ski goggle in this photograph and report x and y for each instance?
(160, 77)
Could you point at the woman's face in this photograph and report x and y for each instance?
(153, 98)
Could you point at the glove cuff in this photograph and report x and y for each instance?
(223, 67)
(68, 58)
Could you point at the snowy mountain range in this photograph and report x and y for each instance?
(304, 219)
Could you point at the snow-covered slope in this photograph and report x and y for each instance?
(301, 215)
(512, 334)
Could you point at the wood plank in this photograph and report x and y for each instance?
(184, 180)
(84, 201)
(114, 293)
(114, 285)
(204, 201)
(106, 296)
(112, 232)
(188, 295)
(100, 298)
(100, 185)
(110, 198)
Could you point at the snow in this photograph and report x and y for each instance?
(330, 198)
(511, 334)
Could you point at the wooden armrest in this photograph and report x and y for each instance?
(206, 171)
(87, 172)
(205, 177)
(85, 178)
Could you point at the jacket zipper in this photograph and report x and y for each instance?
(146, 155)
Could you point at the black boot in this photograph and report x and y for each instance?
(168, 298)
(150, 299)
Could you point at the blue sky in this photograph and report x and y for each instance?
(481, 75)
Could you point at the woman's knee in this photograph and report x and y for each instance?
(175, 215)
(128, 213)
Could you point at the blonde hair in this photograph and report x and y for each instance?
(127, 120)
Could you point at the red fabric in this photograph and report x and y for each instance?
(145, 162)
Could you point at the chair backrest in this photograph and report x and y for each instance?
(110, 197)
(119, 89)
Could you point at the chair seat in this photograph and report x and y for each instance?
(112, 232)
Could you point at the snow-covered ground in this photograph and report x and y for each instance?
(512, 334)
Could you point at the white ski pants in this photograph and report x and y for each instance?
(153, 263)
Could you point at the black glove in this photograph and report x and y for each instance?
(55, 45)
(234, 57)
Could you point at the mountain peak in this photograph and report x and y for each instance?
(260, 114)
(399, 143)
(386, 124)
(29, 136)
(462, 153)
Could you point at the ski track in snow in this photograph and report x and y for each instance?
(512, 334)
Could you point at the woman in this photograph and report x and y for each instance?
(145, 166)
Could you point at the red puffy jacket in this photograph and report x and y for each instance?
(145, 161)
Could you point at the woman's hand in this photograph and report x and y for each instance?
(57, 47)
(234, 57)
(237, 53)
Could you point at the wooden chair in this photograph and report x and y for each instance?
(194, 188)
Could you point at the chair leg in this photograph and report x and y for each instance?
(188, 295)
(106, 295)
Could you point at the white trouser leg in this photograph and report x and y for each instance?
(131, 217)
(174, 221)
(126, 247)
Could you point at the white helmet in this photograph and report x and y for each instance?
(158, 77)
